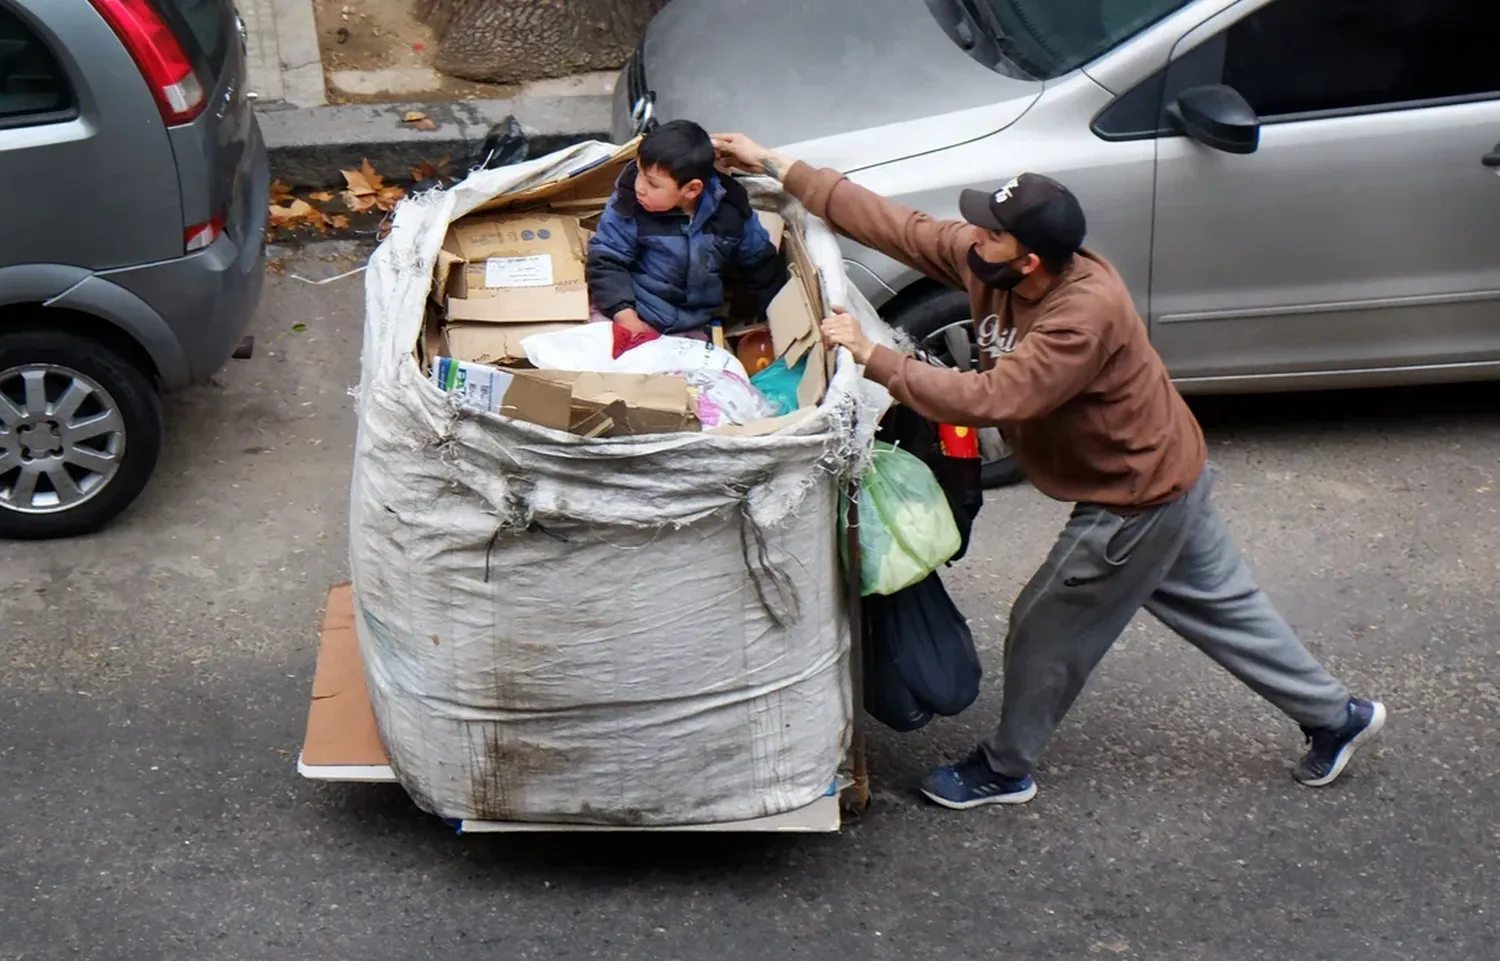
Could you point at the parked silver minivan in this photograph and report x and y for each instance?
(136, 195)
(1301, 193)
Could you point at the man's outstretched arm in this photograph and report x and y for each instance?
(937, 248)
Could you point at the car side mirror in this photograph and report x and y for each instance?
(1218, 117)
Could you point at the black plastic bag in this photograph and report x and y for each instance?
(919, 656)
(505, 144)
(887, 698)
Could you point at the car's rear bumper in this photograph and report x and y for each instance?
(206, 299)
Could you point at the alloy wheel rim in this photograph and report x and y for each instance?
(62, 438)
(952, 346)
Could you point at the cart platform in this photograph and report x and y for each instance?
(342, 742)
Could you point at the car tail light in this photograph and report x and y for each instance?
(201, 236)
(160, 57)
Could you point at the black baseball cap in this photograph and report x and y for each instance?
(1038, 211)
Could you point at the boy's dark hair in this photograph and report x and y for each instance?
(682, 149)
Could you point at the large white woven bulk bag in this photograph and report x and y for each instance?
(634, 630)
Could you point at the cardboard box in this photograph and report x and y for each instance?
(595, 405)
(498, 344)
(487, 388)
(636, 403)
(517, 269)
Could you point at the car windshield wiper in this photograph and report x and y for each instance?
(983, 14)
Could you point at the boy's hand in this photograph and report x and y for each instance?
(842, 330)
(632, 322)
(740, 152)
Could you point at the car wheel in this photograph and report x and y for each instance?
(941, 327)
(80, 431)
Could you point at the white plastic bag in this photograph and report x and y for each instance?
(725, 394)
(590, 347)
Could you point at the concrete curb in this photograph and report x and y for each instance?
(309, 146)
(301, 58)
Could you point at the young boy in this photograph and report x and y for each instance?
(657, 262)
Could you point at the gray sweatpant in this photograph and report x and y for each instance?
(1178, 562)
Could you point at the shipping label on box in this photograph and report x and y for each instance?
(520, 268)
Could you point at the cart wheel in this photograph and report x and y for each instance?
(854, 803)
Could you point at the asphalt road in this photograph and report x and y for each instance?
(156, 680)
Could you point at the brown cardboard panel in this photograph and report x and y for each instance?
(442, 272)
(524, 268)
(598, 180)
(340, 722)
(793, 323)
(798, 257)
(774, 224)
(538, 400)
(636, 403)
(497, 344)
(815, 378)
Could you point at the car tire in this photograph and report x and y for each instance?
(925, 319)
(99, 419)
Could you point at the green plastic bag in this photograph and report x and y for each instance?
(906, 528)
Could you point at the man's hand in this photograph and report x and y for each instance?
(632, 322)
(842, 330)
(737, 151)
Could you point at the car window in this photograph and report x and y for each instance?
(1048, 38)
(32, 82)
(205, 24)
(1306, 56)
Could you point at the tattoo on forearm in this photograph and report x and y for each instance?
(773, 167)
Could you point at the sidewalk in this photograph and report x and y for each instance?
(310, 140)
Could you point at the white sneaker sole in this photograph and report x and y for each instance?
(1020, 797)
(1341, 761)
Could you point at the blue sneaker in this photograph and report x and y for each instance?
(1332, 748)
(971, 783)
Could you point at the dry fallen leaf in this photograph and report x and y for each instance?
(337, 221)
(427, 170)
(363, 182)
(281, 194)
(320, 197)
(419, 120)
(359, 203)
(298, 210)
(389, 197)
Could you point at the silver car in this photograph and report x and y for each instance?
(1300, 193)
(137, 188)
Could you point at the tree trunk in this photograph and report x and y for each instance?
(508, 41)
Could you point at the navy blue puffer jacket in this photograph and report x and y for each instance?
(671, 268)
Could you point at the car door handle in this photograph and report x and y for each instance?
(1492, 159)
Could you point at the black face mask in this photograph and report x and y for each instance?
(999, 276)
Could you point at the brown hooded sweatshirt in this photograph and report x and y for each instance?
(1072, 380)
